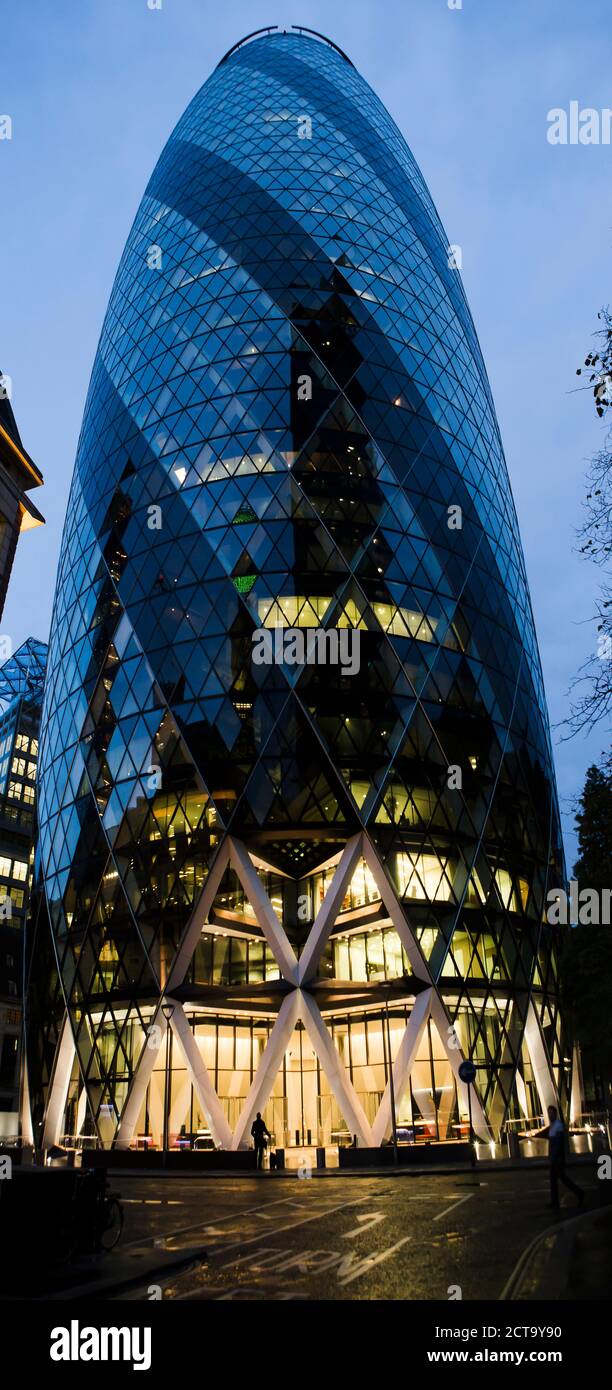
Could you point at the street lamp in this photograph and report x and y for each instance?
(167, 1010)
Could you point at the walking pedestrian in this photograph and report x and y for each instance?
(555, 1132)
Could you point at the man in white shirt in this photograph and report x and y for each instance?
(555, 1130)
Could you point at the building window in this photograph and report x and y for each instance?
(8, 1059)
(424, 876)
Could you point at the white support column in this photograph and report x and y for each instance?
(522, 1093)
(264, 912)
(200, 1078)
(58, 1091)
(141, 1079)
(81, 1109)
(268, 1068)
(577, 1098)
(540, 1064)
(456, 1057)
(329, 909)
(198, 918)
(27, 1131)
(336, 1073)
(409, 942)
(402, 1066)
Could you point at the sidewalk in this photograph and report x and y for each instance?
(486, 1165)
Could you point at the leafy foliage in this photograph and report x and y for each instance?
(586, 959)
(593, 868)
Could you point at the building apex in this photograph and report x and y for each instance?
(295, 31)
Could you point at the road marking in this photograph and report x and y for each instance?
(150, 1202)
(345, 1267)
(454, 1206)
(223, 1249)
(203, 1225)
(368, 1220)
(368, 1263)
(290, 1226)
(432, 1196)
(299, 1206)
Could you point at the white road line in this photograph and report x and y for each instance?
(369, 1219)
(203, 1225)
(454, 1206)
(150, 1202)
(432, 1196)
(368, 1263)
(278, 1231)
(263, 1216)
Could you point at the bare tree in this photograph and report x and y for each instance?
(592, 688)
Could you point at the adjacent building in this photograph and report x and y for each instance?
(267, 881)
(18, 475)
(21, 687)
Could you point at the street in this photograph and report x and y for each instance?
(407, 1237)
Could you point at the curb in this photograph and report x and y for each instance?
(402, 1171)
(556, 1245)
(114, 1286)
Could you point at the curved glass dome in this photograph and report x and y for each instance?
(289, 426)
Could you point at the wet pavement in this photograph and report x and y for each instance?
(401, 1237)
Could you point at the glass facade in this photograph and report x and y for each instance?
(21, 691)
(289, 425)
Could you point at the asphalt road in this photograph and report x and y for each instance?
(405, 1237)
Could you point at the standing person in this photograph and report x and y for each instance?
(555, 1130)
(259, 1130)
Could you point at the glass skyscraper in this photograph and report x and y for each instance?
(266, 878)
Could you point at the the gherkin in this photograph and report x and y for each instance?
(289, 425)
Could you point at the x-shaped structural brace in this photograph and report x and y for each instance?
(299, 1004)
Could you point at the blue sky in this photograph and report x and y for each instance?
(94, 88)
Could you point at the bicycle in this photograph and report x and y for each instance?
(110, 1223)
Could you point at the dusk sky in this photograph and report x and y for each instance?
(94, 87)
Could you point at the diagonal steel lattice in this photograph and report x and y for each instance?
(288, 414)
